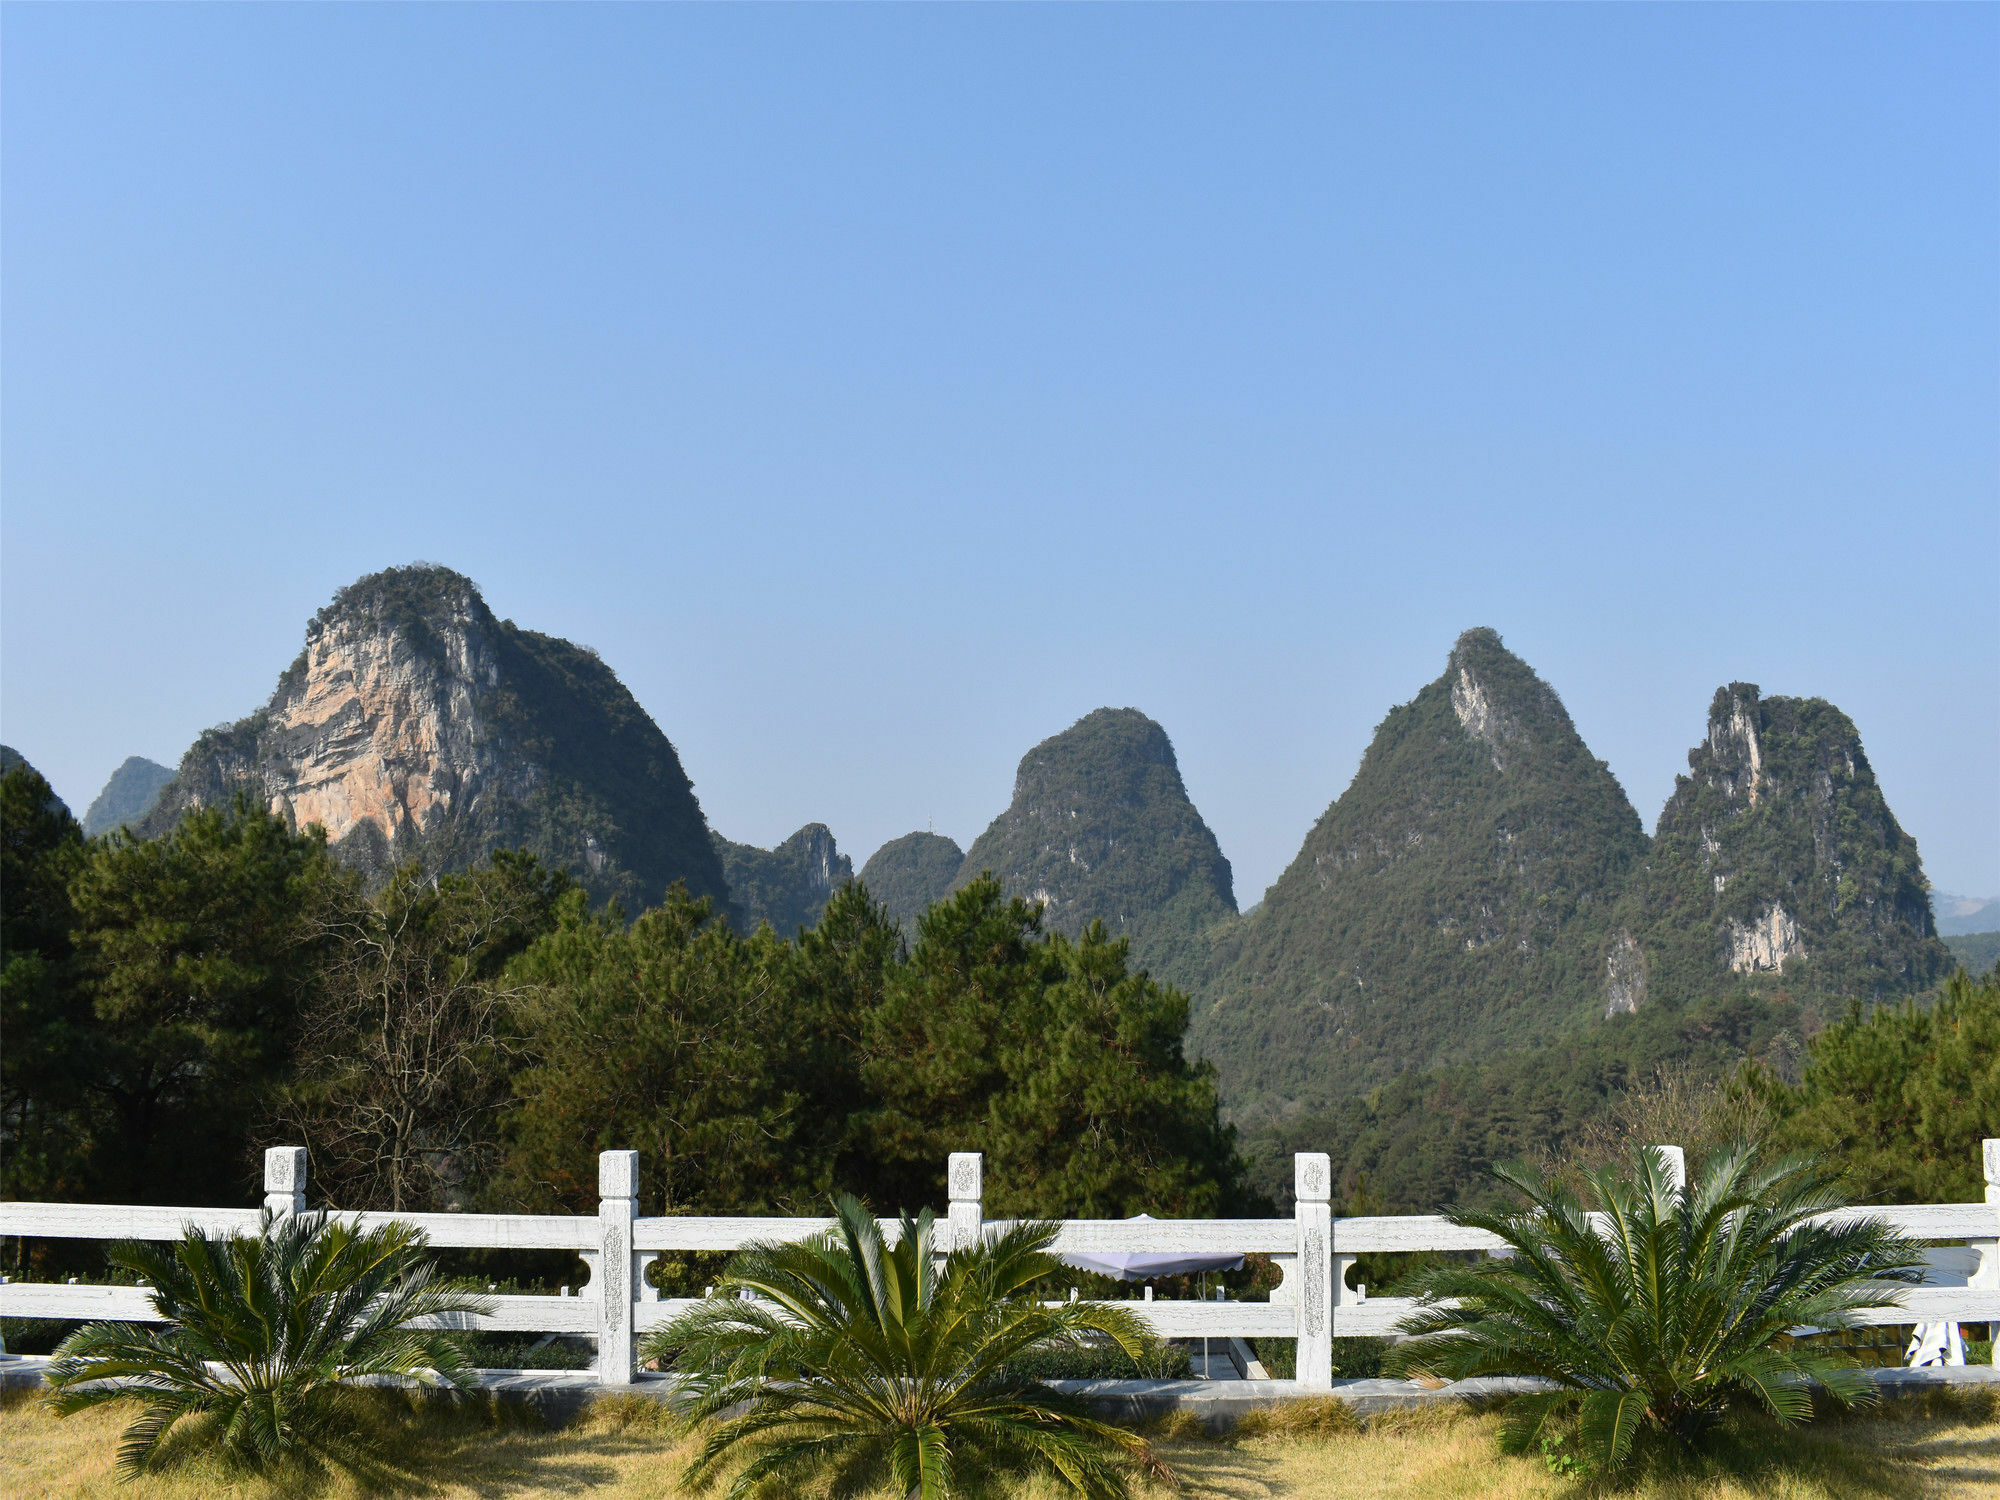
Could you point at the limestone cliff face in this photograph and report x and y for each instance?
(788, 886)
(1777, 857)
(415, 725)
(1101, 828)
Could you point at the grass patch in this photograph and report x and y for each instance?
(1940, 1444)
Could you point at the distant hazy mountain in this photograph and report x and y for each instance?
(1978, 951)
(1962, 914)
(1101, 827)
(787, 886)
(908, 874)
(415, 725)
(127, 797)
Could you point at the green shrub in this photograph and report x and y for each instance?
(874, 1362)
(1675, 1306)
(261, 1334)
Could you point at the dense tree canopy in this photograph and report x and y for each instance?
(1050, 1056)
(46, 1040)
(1902, 1097)
(195, 951)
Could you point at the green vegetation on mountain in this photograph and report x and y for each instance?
(907, 874)
(1777, 860)
(415, 725)
(1455, 901)
(1101, 829)
(788, 886)
(127, 797)
(1427, 1140)
(1977, 952)
(1483, 886)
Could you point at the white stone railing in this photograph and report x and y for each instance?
(1312, 1304)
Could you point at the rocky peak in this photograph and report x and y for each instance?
(1777, 849)
(1735, 760)
(414, 725)
(1101, 828)
(788, 886)
(1486, 717)
(1454, 900)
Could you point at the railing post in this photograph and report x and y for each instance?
(1987, 1276)
(285, 1180)
(1677, 1166)
(617, 1207)
(965, 1182)
(1312, 1181)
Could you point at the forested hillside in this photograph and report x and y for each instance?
(1454, 902)
(1101, 829)
(1777, 860)
(1484, 886)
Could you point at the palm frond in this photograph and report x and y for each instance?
(1669, 1304)
(260, 1332)
(889, 1362)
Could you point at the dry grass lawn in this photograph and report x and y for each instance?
(1937, 1446)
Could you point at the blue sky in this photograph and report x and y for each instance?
(881, 389)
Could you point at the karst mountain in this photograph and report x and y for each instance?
(1453, 901)
(1483, 885)
(1101, 828)
(417, 726)
(788, 886)
(127, 797)
(907, 874)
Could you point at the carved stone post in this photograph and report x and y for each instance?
(1312, 1179)
(617, 1207)
(1987, 1276)
(1677, 1166)
(285, 1179)
(965, 1181)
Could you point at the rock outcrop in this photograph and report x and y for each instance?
(1101, 827)
(910, 873)
(416, 726)
(788, 886)
(127, 797)
(1455, 901)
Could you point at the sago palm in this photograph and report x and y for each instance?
(870, 1360)
(1665, 1306)
(260, 1333)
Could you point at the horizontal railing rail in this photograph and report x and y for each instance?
(1313, 1251)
